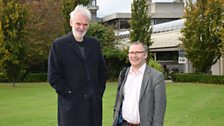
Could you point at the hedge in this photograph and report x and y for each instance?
(200, 78)
(3, 78)
(35, 77)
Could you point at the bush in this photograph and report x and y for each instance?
(3, 78)
(200, 78)
(116, 60)
(156, 65)
(35, 77)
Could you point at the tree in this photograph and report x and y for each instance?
(45, 23)
(67, 7)
(140, 23)
(114, 57)
(202, 33)
(1, 36)
(104, 34)
(14, 17)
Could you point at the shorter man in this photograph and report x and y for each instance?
(141, 97)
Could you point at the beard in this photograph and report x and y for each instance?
(79, 34)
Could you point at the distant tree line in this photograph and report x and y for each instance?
(28, 27)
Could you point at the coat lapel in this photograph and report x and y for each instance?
(146, 78)
(87, 46)
(74, 45)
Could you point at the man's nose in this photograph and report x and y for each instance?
(82, 26)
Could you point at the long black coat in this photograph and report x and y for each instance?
(79, 95)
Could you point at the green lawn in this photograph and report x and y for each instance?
(187, 105)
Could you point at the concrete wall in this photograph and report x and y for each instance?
(166, 10)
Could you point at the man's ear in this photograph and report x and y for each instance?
(146, 55)
(70, 22)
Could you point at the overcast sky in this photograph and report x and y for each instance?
(107, 7)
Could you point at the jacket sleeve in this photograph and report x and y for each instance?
(55, 72)
(116, 105)
(160, 101)
(117, 117)
(118, 91)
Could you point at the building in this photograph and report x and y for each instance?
(162, 12)
(92, 6)
(118, 20)
(166, 48)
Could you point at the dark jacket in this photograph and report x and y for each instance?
(79, 82)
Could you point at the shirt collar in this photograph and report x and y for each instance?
(141, 69)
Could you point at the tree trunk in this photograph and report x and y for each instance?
(13, 84)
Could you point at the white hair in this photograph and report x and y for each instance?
(81, 9)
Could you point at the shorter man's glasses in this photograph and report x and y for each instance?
(136, 53)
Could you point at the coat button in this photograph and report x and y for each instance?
(69, 92)
(85, 95)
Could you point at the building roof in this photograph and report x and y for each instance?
(165, 36)
(163, 27)
(166, 40)
(116, 16)
(169, 26)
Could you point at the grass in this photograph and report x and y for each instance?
(187, 105)
(195, 105)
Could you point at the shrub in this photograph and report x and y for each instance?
(116, 59)
(156, 65)
(35, 77)
(3, 78)
(200, 78)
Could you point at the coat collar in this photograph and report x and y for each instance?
(74, 45)
(146, 78)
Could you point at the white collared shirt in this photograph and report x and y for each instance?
(132, 87)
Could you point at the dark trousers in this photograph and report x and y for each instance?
(125, 123)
